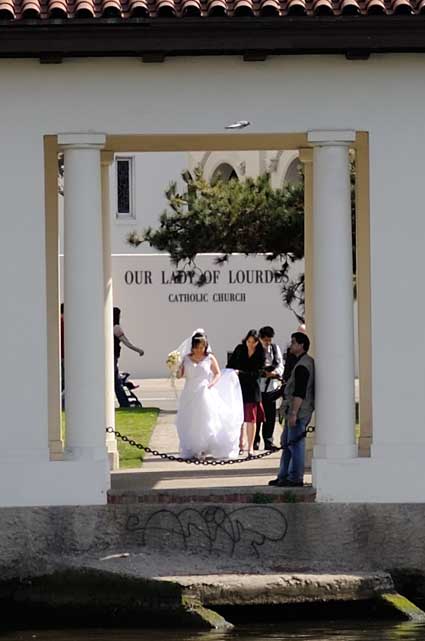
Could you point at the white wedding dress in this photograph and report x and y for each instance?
(209, 419)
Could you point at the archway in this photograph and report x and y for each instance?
(142, 143)
(224, 172)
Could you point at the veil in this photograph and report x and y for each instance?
(186, 347)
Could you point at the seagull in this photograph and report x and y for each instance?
(240, 124)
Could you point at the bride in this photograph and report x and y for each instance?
(210, 410)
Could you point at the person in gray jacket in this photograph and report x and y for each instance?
(298, 409)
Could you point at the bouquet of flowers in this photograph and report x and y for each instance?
(173, 363)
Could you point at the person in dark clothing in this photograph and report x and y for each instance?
(120, 337)
(248, 361)
(298, 409)
(269, 382)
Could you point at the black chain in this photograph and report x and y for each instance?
(206, 461)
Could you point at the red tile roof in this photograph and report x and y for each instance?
(17, 10)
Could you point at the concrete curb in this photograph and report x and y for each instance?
(256, 495)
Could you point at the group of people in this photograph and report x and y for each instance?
(224, 413)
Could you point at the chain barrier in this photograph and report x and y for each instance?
(204, 461)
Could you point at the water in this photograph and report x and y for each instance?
(338, 631)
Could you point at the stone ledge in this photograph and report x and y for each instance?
(263, 495)
(284, 588)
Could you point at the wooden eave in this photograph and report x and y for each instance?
(254, 38)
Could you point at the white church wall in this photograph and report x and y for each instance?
(42, 99)
(158, 313)
(152, 174)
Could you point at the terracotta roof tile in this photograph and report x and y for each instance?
(30, 9)
(401, 7)
(7, 9)
(165, 9)
(269, 8)
(57, 9)
(84, 9)
(375, 7)
(138, 8)
(17, 10)
(112, 9)
(322, 8)
(349, 7)
(191, 8)
(296, 8)
(219, 8)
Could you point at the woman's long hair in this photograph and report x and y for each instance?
(252, 333)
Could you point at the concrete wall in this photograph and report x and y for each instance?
(196, 538)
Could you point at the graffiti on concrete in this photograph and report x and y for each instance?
(212, 529)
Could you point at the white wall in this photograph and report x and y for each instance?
(153, 173)
(23, 375)
(157, 313)
(383, 95)
(157, 316)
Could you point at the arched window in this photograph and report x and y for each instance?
(224, 172)
(293, 172)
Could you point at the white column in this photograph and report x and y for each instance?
(84, 298)
(107, 158)
(306, 157)
(333, 295)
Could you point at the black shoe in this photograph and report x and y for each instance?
(288, 483)
(269, 446)
(277, 482)
(256, 446)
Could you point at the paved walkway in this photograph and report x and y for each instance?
(158, 475)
